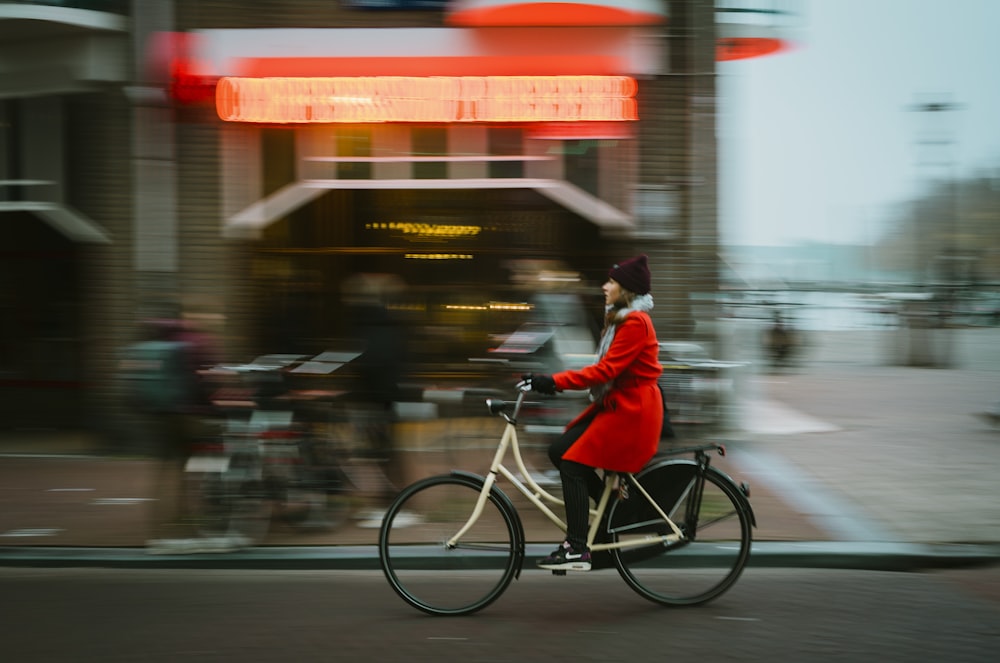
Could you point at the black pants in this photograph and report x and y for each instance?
(579, 483)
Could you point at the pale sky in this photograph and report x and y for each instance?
(818, 143)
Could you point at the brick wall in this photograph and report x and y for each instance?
(99, 185)
(678, 150)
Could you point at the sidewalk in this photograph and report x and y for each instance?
(851, 464)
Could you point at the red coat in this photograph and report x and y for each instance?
(625, 432)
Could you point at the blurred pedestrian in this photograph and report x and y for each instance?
(620, 430)
(164, 373)
(780, 341)
(375, 392)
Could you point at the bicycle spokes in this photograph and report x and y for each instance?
(716, 529)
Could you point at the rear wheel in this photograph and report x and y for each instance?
(437, 578)
(716, 522)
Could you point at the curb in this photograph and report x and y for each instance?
(767, 554)
(872, 556)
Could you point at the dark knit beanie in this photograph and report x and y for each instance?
(632, 274)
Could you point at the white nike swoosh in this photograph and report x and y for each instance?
(570, 556)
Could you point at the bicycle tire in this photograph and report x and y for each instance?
(437, 579)
(718, 529)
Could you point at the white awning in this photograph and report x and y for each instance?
(51, 50)
(599, 50)
(69, 222)
(250, 222)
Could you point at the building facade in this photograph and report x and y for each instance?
(194, 158)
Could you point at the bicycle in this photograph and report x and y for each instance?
(274, 458)
(463, 523)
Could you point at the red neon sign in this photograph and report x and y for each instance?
(743, 48)
(427, 99)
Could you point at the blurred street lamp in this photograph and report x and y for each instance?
(936, 159)
(925, 334)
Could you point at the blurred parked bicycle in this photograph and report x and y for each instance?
(294, 457)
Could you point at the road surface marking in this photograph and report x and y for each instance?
(40, 531)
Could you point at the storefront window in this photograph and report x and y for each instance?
(278, 163)
(580, 158)
(40, 336)
(506, 141)
(354, 142)
(429, 142)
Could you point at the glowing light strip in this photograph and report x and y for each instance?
(427, 99)
(426, 229)
(437, 256)
(491, 306)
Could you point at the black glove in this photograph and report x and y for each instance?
(543, 384)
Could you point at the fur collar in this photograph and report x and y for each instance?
(640, 303)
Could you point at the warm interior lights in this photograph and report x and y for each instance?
(422, 230)
(427, 99)
(437, 256)
(510, 306)
(465, 307)
(491, 306)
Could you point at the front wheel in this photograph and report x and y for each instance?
(716, 521)
(443, 579)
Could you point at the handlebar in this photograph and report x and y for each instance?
(507, 409)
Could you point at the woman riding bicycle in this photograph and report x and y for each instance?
(620, 430)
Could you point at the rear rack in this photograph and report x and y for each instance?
(678, 451)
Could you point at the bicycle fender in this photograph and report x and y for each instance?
(740, 495)
(739, 492)
(509, 506)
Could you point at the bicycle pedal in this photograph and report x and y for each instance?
(558, 572)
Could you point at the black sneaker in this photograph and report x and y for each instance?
(566, 558)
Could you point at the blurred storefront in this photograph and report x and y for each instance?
(63, 150)
(237, 167)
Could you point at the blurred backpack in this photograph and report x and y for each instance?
(667, 431)
(159, 376)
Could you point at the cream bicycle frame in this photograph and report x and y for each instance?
(541, 499)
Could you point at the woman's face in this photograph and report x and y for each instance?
(612, 292)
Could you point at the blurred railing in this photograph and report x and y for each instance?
(766, 13)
